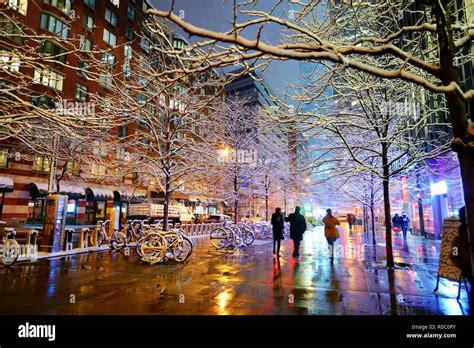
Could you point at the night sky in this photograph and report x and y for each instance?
(216, 15)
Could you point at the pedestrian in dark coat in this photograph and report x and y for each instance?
(297, 228)
(405, 221)
(278, 225)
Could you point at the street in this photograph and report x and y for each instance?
(243, 282)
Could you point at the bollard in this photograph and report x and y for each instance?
(31, 238)
(69, 237)
(84, 238)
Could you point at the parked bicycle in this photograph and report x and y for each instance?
(117, 240)
(155, 246)
(263, 230)
(11, 248)
(232, 236)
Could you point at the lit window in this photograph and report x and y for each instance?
(3, 157)
(106, 80)
(81, 92)
(109, 38)
(111, 17)
(109, 60)
(9, 61)
(54, 25)
(145, 44)
(18, 5)
(85, 44)
(41, 163)
(49, 78)
(128, 51)
(63, 5)
(90, 3)
(88, 22)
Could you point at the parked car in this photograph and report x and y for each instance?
(218, 218)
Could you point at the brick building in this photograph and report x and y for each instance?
(112, 27)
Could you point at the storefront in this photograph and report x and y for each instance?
(38, 193)
(6, 185)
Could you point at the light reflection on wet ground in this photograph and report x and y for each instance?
(248, 281)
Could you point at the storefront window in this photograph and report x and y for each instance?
(100, 211)
(71, 212)
(89, 220)
(36, 210)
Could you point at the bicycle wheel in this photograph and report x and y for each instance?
(248, 237)
(219, 238)
(183, 250)
(11, 251)
(118, 241)
(153, 248)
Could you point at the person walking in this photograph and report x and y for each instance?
(330, 230)
(351, 220)
(297, 228)
(397, 223)
(277, 224)
(405, 221)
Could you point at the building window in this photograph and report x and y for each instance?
(98, 170)
(63, 5)
(127, 70)
(106, 80)
(83, 68)
(90, 3)
(108, 60)
(41, 163)
(111, 17)
(100, 211)
(130, 33)
(18, 5)
(73, 168)
(54, 25)
(123, 131)
(109, 38)
(53, 51)
(9, 61)
(81, 92)
(12, 29)
(85, 44)
(145, 44)
(49, 78)
(43, 101)
(88, 22)
(3, 157)
(127, 51)
(131, 14)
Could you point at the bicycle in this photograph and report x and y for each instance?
(154, 247)
(11, 248)
(117, 241)
(233, 236)
(262, 231)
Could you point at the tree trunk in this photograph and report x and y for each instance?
(457, 111)
(372, 217)
(236, 201)
(166, 210)
(266, 207)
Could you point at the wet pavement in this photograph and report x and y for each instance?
(247, 281)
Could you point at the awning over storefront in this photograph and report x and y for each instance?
(66, 188)
(99, 194)
(6, 184)
(130, 196)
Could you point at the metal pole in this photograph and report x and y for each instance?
(54, 160)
